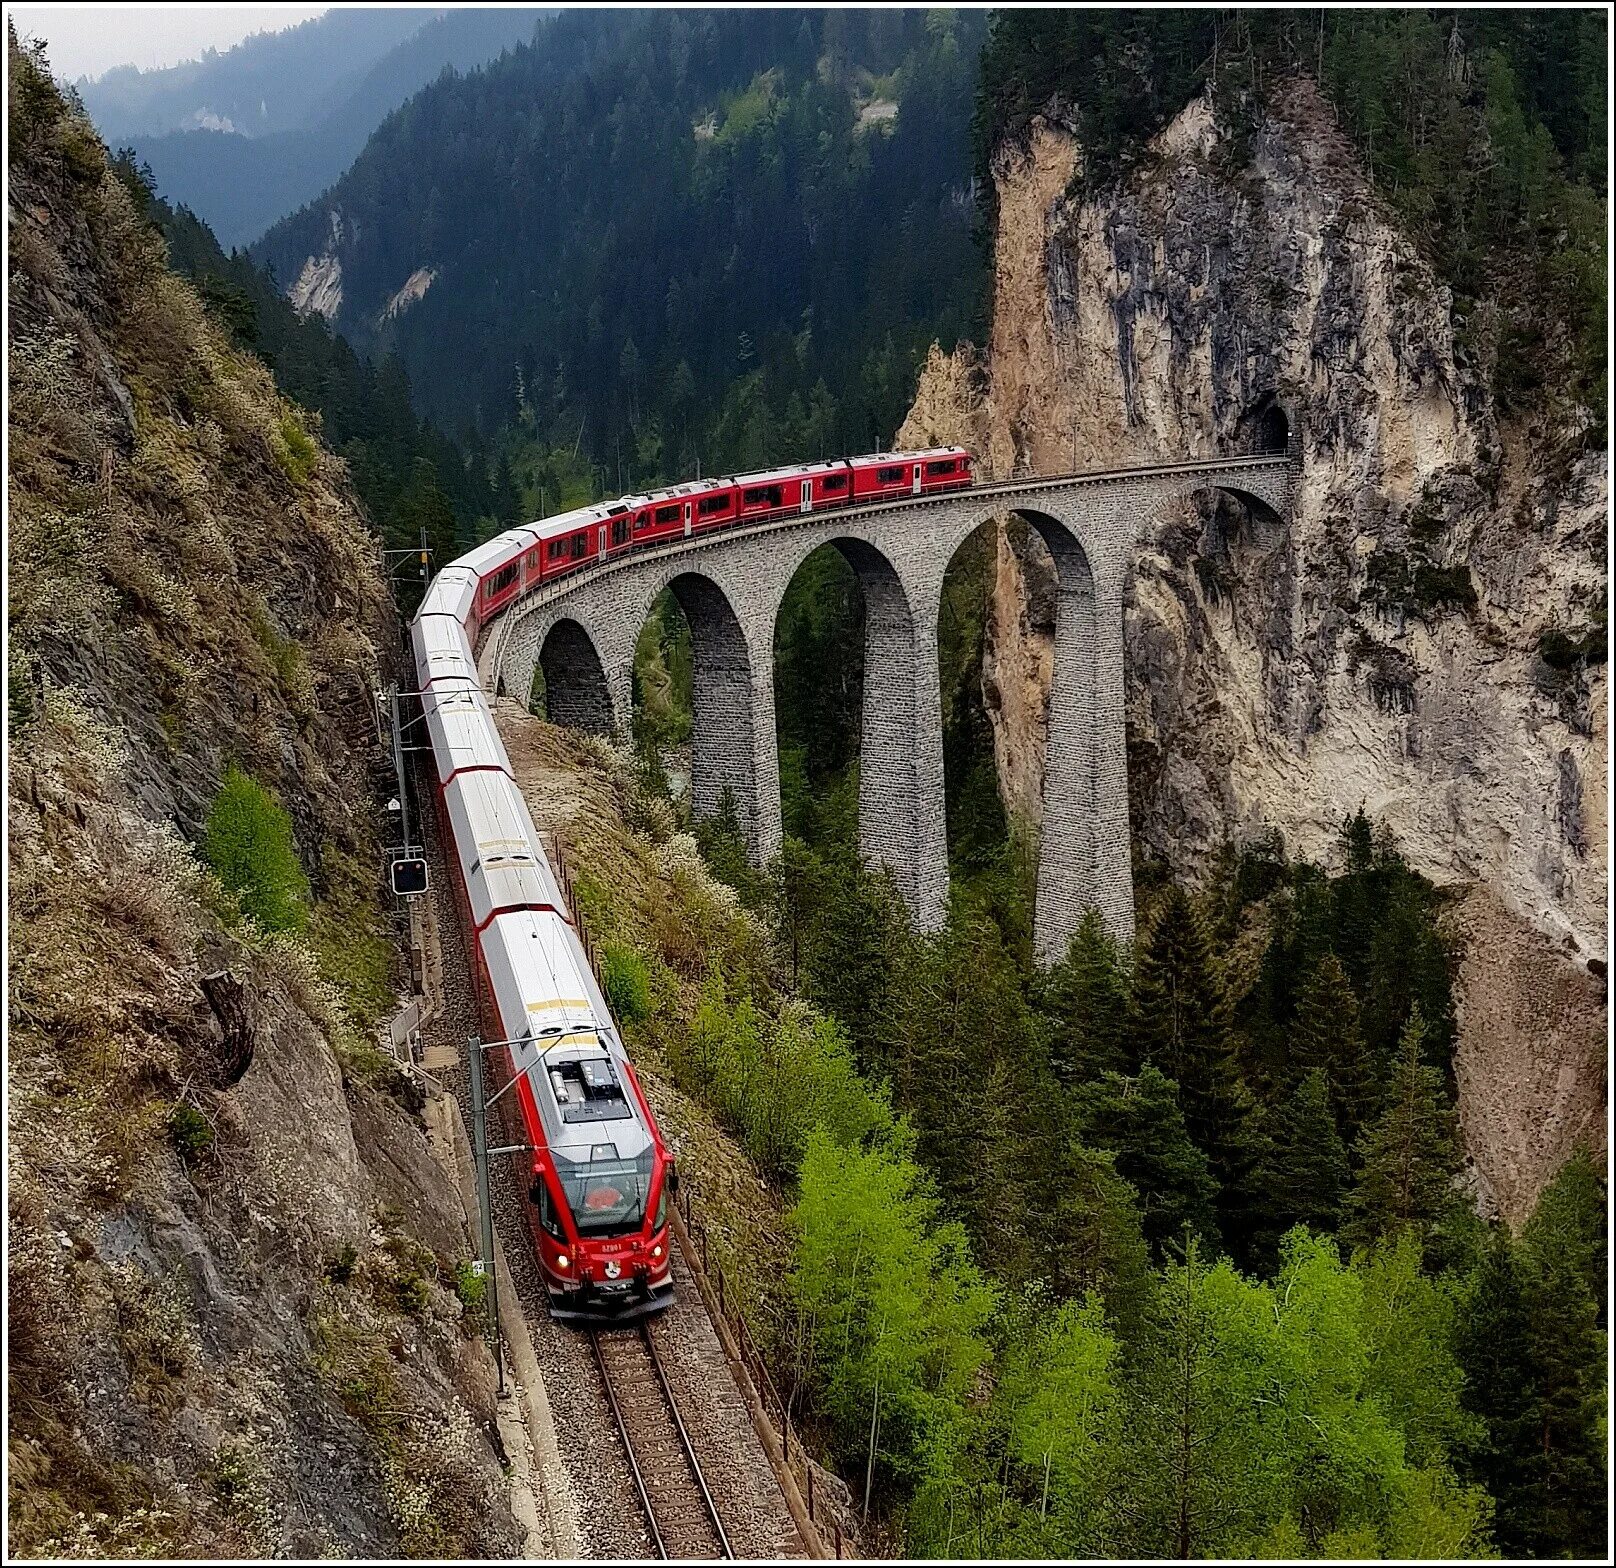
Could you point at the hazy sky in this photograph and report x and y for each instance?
(87, 40)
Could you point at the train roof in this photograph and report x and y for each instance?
(461, 727)
(452, 592)
(441, 650)
(495, 552)
(553, 1012)
(795, 471)
(568, 522)
(900, 457)
(494, 839)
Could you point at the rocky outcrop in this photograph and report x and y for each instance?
(1413, 640)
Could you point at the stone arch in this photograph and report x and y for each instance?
(724, 729)
(900, 734)
(1083, 847)
(575, 689)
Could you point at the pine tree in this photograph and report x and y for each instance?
(1326, 1038)
(1086, 1000)
(1182, 1024)
(1093, 1236)
(1559, 1249)
(1409, 1156)
(1305, 1172)
(1138, 1119)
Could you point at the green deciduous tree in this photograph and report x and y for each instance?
(895, 1307)
(249, 845)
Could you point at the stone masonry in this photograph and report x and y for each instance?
(582, 631)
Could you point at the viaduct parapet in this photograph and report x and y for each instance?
(582, 632)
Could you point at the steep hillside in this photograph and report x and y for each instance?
(1424, 639)
(232, 1323)
(666, 238)
(241, 177)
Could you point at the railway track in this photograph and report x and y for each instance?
(679, 1508)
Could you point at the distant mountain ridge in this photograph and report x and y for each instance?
(245, 137)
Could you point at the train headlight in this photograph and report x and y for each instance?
(656, 1252)
(563, 1262)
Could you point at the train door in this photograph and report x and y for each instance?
(601, 542)
(915, 488)
(687, 519)
(807, 495)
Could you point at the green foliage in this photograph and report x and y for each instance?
(626, 980)
(297, 454)
(775, 1078)
(1535, 1360)
(670, 346)
(1305, 1173)
(471, 1286)
(722, 842)
(896, 1310)
(1409, 1156)
(1086, 999)
(1140, 1121)
(190, 1132)
(249, 844)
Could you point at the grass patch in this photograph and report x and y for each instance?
(249, 845)
(296, 451)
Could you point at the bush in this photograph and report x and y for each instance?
(626, 979)
(297, 454)
(470, 1285)
(190, 1132)
(340, 1269)
(249, 845)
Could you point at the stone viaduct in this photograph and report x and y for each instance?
(582, 632)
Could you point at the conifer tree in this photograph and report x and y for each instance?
(1138, 1119)
(1305, 1173)
(1326, 1038)
(1086, 1000)
(1182, 1024)
(1409, 1156)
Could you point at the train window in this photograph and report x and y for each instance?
(549, 1215)
(713, 503)
(580, 543)
(668, 514)
(888, 476)
(761, 495)
(946, 466)
(501, 580)
(607, 1196)
(558, 548)
(620, 530)
(834, 482)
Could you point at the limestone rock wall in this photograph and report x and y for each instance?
(1282, 676)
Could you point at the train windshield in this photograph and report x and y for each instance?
(607, 1194)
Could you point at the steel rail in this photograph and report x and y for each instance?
(686, 1447)
(724, 1548)
(628, 1448)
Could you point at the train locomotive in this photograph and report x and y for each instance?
(597, 1174)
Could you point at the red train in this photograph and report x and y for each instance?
(597, 1172)
(516, 561)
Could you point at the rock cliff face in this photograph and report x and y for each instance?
(232, 1323)
(1386, 646)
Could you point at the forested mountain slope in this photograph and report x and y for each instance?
(666, 238)
(232, 1323)
(241, 176)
